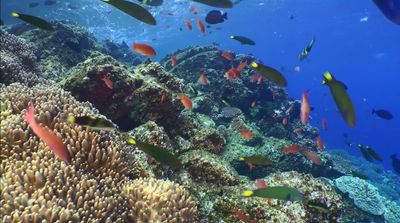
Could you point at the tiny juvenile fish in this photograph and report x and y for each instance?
(92, 122)
(133, 10)
(35, 21)
(53, 141)
(159, 154)
(186, 101)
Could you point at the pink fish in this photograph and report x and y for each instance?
(323, 123)
(305, 108)
(284, 121)
(54, 142)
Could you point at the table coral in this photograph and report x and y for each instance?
(37, 186)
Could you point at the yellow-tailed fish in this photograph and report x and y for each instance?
(257, 160)
(303, 55)
(133, 10)
(92, 122)
(279, 192)
(159, 154)
(269, 73)
(216, 3)
(35, 21)
(341, 98)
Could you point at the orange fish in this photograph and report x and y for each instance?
(227, 55)
(253, 104)
(291, 149)
(320, 144)
(261, 184)
(54, 142)
(201, 26)
(107, 81)
(163, 97)
(188, 24)
(173, 61)
(284, 121)
(246, 134)
(232, 74)
(242, 65)
(202, 80)
(187, 103)
(144, 49)
(305, 108)
(323, 123)
(311, 156)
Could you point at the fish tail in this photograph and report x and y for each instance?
(225, 16)
(373, 111)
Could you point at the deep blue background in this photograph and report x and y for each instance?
(364, 55)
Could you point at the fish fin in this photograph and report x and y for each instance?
(225, 16)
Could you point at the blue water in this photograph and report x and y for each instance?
(354, 41)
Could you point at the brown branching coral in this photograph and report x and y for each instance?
(18, 61)
(36, 186)
(159, 201)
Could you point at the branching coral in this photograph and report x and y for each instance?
(36, 186)
(18, 61)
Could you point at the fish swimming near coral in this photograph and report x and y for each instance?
(269, 73)
(318, 206)
(92, 122)
(341, 98)
(35, 21)
(200, 26)
(256, 160)
(305, 152)
(247, 134)
(144, 49)
(320, 143)
(373, 153)
(188, 24)
(305, 108)
(278, 192)
(134, 10)
(173, 61)
(186, 101)
(52, 140)
(323, 124)
(243, 40)
(107, 81)
(365, 153)
(216, 16)
(159, 154)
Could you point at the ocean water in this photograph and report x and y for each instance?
(354, 41)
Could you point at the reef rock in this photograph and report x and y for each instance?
(133, 98)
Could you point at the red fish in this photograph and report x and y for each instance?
(242, 65)
(232, 74)
(253, 104)
(256, 78)
(163, 97)
(144, 49)
(188, 24)
(291, 149)
(202, 80)
(227, 55)
(311, 156)
(320, 144)
(201, 26)
(54, 142)
(284, 121)
(186, 101)
(173, 61)
(323, 123)
(305, 108)
(261, 184)
(247, 134)
(107, 81)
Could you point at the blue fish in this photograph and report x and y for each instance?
(390, 8)
(33, 4)
(216, 16)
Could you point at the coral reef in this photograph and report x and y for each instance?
(208, 167)
(18, 61)
(95, 187)
(133, 99)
